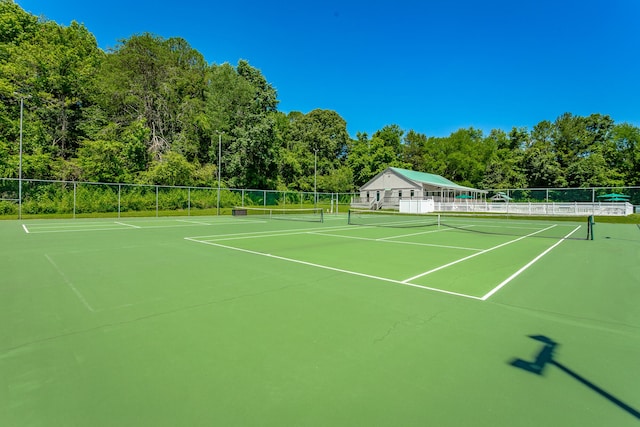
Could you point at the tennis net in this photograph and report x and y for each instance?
(486, 224)
(290, 214)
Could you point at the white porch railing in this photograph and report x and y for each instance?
(543, 209)
(516, 208)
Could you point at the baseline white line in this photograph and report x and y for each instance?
(326, 267)
(192, 222)
(476, 254)
(119, 226)
(126, 225)
(529, 264)
(78, 223)
(77, 231)
(26, 230)
(399, 242)
(69, 284)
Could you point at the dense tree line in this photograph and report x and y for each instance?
(151, 110)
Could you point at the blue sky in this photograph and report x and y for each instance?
(433, 66)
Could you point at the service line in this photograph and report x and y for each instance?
(326, 267)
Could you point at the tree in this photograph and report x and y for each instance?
(159, 80)
(575, 140)
(540, 164)
(413, 150)
(624, 154)
(171, 169)
(504, 169)
(57, 68)
(241, 103)
(321, 133)
(103, 161)
(16, 26)
(462, 157)
(359, 159)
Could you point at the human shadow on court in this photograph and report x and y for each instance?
(545, 358)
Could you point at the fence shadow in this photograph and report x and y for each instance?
(545, 358)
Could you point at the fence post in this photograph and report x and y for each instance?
(156, 201)
(74, 200)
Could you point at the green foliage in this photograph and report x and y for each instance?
(172, 169)
(16, 25)
(337, 181)
(8, 208)
(8, 163)
(152, 111)
(317, 145)
(102, 161)
(161, 81)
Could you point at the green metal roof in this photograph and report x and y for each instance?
(429, 178)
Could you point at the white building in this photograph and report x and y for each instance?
(386, 189)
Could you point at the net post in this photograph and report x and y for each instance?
(590, 223)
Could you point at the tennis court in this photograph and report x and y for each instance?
(263, 320)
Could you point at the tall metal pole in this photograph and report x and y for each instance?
(315, 178)
(219, 166)
(20, 164)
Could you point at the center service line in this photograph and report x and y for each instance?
(326, 267)
(533, 261)
(475, 255)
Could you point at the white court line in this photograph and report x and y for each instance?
(26, 230)
(77, 231)
(246, 221)
(59, 226)
(398, 242)
(127, 225)
(326, 267)
(476, 254)
(193, 222)
(440, 230)
(214, 223)
(242, 236)
(108, 226)
(70, 284)
(268, 233)
(533, 261)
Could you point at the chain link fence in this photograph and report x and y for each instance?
(86, 199)
(64, 199)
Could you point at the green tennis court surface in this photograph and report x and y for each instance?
(251, 321)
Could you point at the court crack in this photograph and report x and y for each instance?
(409, 321)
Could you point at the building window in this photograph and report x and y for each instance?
(399, 194)
(412, 193)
